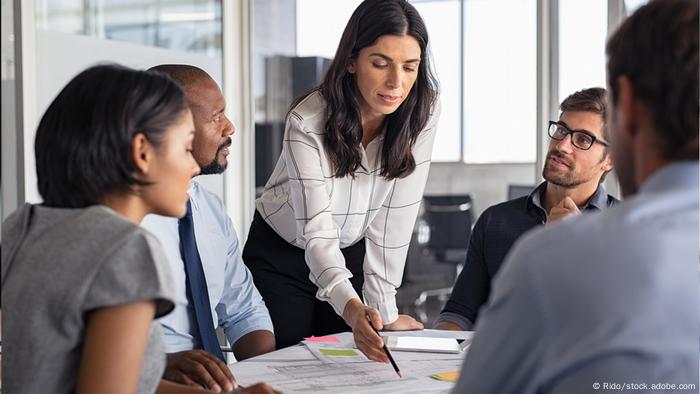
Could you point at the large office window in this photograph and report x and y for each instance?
(442, 19)
(500, 81)
(484, 54)
(319, 25)
(188, 26)
(583, 26)
(632, 5)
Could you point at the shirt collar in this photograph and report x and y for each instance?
(677, 175)
(599, 199)
(192, 193)
(535, 197)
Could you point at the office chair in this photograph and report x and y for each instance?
(449, 220)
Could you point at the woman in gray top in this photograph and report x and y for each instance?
(81, 281)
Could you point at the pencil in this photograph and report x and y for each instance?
(386, 350)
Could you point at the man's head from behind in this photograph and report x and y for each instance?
(213, 129)
(577, 153)
(653, 83)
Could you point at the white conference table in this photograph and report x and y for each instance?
(296, 370)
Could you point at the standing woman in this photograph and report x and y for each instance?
(336, 217)
(82, 282)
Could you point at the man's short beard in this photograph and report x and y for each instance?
(563, 181)
(566, 181)
(215, 167)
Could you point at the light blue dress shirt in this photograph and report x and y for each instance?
(236, 304)
(605, 298)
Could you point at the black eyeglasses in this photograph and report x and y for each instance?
(579, 138)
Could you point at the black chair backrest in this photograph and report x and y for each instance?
(450, 219)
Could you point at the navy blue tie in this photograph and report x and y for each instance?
(197, 293)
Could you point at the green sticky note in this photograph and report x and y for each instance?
(338, 352)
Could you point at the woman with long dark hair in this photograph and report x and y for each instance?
(336, 216)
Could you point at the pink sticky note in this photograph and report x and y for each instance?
(328, 338)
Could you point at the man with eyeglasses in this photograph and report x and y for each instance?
(576, 165)
(609, 302)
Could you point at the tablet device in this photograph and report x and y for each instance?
(426, 344)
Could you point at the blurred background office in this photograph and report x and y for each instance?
(503, 67)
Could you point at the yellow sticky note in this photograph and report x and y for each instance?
(451, 376)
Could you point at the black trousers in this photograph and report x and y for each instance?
(281, 275)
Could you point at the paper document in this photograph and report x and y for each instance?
(430, 333)
(296, 370)
(364, 377)
(425, 344)
(331, 353)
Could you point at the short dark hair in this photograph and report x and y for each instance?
(371, 20)
(588, 100)
(83, 142)
(184, 74)
(657, 50)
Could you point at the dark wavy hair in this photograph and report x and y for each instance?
(83, 142)
(657, 49)
(371, 20)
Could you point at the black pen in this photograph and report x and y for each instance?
(386, 350)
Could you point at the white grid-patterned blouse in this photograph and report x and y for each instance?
(321, 214)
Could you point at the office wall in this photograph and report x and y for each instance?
(487, 183)
(60, 56)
